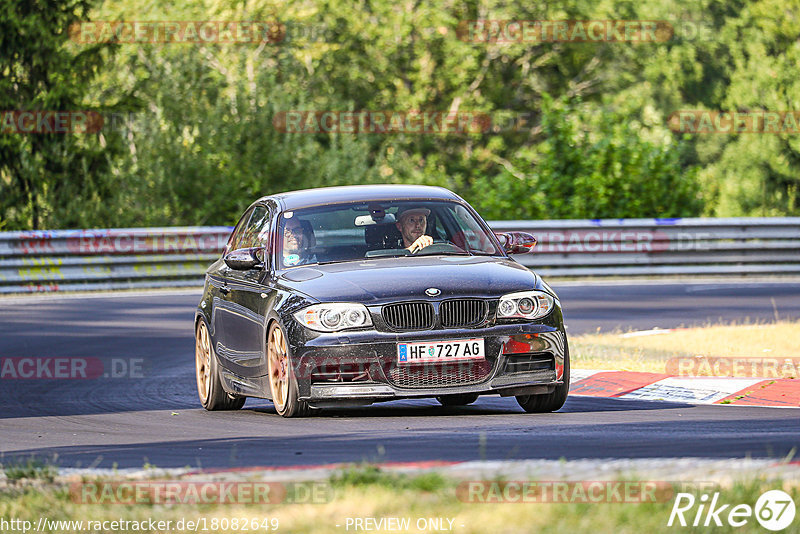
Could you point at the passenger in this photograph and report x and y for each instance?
(296, 243)
(412, 223)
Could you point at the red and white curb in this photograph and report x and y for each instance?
(782, 392)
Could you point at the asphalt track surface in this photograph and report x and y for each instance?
(155, 416)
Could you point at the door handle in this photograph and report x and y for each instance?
(225, 290)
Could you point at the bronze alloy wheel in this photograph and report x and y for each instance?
(202, 355)
(209, 387)
(282, 382)
(278, 367)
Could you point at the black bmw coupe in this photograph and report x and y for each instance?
(354, 295)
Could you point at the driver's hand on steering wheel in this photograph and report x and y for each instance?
(421, 242)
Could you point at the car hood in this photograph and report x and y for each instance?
(381, 280)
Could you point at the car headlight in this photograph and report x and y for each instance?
(335, 316)
(525, 305)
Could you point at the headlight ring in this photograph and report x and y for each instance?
(334, 316)
(525, 305)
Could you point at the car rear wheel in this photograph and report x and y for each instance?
(209, 386)
(549, 402)
(457, 400)
(282, 381)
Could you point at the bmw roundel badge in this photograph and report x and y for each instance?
(432, 292)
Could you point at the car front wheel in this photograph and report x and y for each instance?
(549, 402)
(209, 385)
(282, 381)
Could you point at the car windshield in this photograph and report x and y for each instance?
(355, 231)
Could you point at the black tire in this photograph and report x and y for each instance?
(457, 400)
(549, 402)
(280, 373)
(209, 386)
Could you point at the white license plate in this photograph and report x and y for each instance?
(440, 351)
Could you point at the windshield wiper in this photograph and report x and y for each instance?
(440, 253)
(386, 253)
(345, 260)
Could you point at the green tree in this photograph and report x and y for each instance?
(730, 56)
(49, 179)
(203, 143)
(591, 164)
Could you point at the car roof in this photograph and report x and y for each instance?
(292, 200)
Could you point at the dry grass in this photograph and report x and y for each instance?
(384, 496)
(623, 351)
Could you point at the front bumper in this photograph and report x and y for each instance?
(520, 359)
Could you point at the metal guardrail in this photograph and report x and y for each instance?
(662, 247)
(74, 260)
(70, 260)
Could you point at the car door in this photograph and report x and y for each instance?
(248, 297)
(218, 279)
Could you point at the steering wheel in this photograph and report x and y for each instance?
(440, 246)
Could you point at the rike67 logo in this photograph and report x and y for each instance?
(774, 510)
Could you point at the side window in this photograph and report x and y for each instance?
(258, 223)
(238, 232)
(265, 229)
(252, 230)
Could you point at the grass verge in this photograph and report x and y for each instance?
(429, 503)
(30, 469)
(632, 352)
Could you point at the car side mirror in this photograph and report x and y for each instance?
(244, 259)
(516, 242)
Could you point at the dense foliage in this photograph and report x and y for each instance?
(591, 137)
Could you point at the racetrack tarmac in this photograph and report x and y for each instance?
(154, 416)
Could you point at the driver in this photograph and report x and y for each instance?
(295, 244)
(412, 223)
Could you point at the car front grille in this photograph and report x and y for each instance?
(457, 313)
(462, 312)
(439, 375)
(409, 316)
